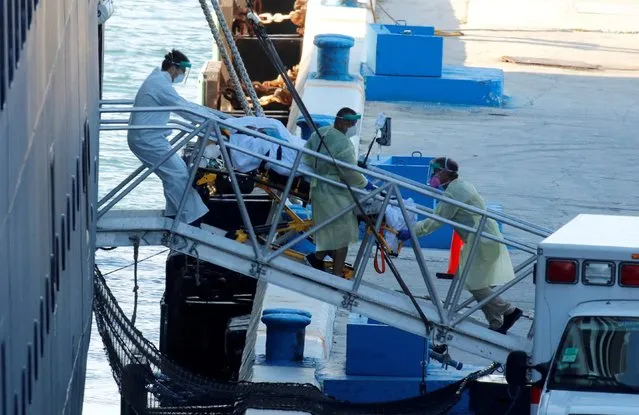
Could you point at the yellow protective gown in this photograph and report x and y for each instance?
(491, 264)
(326, 199)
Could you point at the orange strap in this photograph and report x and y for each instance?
(380, 269)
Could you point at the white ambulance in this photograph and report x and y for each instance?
(585, 357)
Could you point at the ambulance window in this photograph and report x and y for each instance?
(593, 356)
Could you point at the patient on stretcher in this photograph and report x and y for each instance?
(277, 175)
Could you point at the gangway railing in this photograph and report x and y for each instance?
(446, 321)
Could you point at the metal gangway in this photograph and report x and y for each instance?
(444, 319)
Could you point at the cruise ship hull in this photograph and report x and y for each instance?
(49, 91)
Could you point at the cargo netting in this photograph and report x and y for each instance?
(152, 384)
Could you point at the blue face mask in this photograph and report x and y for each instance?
(178, 78)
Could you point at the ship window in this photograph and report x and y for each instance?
(3, 58)
(29, 373)
(55, 265)
(41, 327)
(11, 59)
(87, 137)
(23, 20)
(47, 302)
(36, 348)
(3, 377)
(30, 11)
(68, 218)
(62, 252)
(77, 183)
(73, 201)
(16, 38)
(23, 392)
(52, 190)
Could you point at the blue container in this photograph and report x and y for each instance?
(285, 335)
(381, 350)
(333, 55)
(320, 120)
(416, 168)
(390, 50)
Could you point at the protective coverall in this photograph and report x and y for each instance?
(327, 200)
(491, 264)
(151, 145)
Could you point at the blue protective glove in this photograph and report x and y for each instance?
(370, 186)
(403, 235)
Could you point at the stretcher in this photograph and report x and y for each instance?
(252, 173)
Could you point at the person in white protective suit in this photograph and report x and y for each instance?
(491, 264)
(151, 145)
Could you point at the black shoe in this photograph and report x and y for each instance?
(509, 321)
(312, 260)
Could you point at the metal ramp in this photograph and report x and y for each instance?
(444, 320)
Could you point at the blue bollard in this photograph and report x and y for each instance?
(286, 311)
(333, 55)
(285, 335)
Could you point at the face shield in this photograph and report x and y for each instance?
(435, 171)
(184, 68)
(355, 120)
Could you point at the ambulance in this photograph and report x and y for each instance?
(585, 356)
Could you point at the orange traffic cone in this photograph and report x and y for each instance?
(453, 259)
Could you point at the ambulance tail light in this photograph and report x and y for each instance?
(535, 395)
(561, 271)
(629, 275)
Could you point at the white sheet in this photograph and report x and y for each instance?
(394, 218)
(246, 163)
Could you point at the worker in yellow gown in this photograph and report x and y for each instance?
(326, 199)
(491, 264)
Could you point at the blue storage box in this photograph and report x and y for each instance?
(399, 50)
(372, 350)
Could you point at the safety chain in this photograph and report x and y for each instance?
(193, 251)
(268, 18)
(257, 108)
(136, 249)
(225, 58)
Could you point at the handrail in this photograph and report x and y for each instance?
(210, 129)
(386, 177)
(419, 209)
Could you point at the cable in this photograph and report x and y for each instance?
(136, 250)
(386, 13)
(257, 107)
(514, 399)
(133, 263)
(273, 56)
(225, 58)
(363, 164)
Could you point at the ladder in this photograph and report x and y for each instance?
(445, 321)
